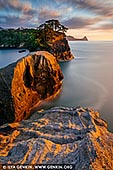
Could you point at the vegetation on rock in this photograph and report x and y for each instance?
(45, 37)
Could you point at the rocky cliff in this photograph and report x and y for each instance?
(57, 45)
(26, 83)
(61, 136)
(60, 48)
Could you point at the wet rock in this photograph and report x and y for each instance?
(61, 136)
(26, 83)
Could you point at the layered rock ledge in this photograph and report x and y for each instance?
(61, 136)
(24, 84)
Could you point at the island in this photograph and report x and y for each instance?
(71, 38)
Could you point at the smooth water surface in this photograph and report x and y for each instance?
(88, 79)
(10, 55)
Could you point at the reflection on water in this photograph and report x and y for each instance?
(88, 79)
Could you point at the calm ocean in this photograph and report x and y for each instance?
(88, 79)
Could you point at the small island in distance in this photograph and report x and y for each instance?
(71, 38)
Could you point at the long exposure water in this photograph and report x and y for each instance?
(88, 79)
(10, 55)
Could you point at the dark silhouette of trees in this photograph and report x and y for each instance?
(31, 38)
(54, 25)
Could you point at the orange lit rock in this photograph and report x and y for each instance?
(60, 48)
(57, 45)
(62, 136)
(23, 85)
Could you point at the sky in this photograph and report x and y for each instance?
(91, 18)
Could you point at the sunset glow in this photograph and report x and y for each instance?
(83, 17)
(96, 35)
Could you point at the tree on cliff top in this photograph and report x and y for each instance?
(54, 25)
(49, 29)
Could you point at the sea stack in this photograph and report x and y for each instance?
(24, 84)
(58, 46)
(52, 38)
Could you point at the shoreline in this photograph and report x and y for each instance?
(8, 48)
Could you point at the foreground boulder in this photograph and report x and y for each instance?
(26, 83)
(61, 136)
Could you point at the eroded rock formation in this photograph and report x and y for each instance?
(57, 45)
(26, 83)
(60, 48)
(61, 136)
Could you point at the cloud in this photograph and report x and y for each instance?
(46, 13)
(21, 12)
(11, 4)
(95, 7)
(15, 21)
(16, 13)
(98, 7)
(11, 20)
(80, 22)
(75, 14)
(105, 27)
(17, 6)
(89, 13)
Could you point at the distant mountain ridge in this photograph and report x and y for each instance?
(71, 38)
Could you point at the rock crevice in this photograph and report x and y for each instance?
(24, 84)
(61, 136)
